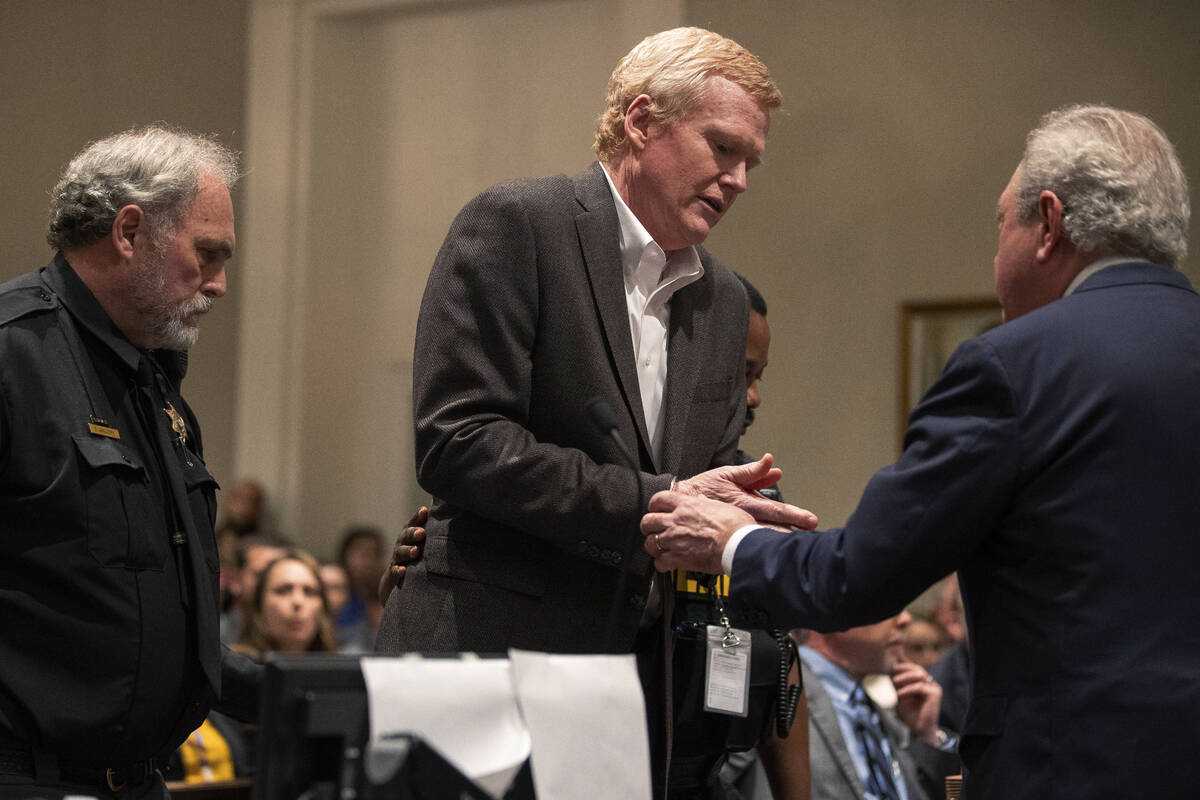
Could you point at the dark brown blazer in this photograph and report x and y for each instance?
(523, 321)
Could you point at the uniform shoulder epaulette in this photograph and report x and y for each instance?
(23, 296)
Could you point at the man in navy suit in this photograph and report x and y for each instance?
(1055, 466)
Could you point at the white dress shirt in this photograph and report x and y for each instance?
(650, 281)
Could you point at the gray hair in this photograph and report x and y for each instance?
(156, 168)
(1122, 187)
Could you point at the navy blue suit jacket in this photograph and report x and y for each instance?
(1056, 465)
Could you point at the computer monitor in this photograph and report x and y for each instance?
(312, 742)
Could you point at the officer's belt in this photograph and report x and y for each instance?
(14, 761)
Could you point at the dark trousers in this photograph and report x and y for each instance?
(20, 787)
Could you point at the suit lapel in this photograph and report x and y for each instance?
(683, 363)
(597, 225)
(823, 717)
(899, 737)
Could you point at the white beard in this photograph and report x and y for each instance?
(172, 325)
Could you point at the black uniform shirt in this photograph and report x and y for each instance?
(98, 656)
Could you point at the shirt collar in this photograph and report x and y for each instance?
(87, 311)
(637, 243)
(634, 236)
(640, 254)
(836, 682)
(83, 306)
(1096, 266)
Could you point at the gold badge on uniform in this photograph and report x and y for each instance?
(177, 424)
(100, 427)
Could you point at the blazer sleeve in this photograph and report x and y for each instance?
(472, 382)
(918, 520)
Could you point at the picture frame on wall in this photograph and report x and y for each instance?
(930, 331)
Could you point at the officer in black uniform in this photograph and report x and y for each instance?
(109, 655)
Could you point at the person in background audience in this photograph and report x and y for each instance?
(216, 751)
(922, 642)
(288, 612)
(242, 506)
(337, 587)
(947, 611)
(361, 556)
(858, 750)
(953, 667)
(251, 556)
(355, 636)
(285, 611)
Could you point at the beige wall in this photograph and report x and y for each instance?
(902, 123)
(72, 72)
(397, 113)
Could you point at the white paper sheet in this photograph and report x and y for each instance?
(464, 708)
(588, 722)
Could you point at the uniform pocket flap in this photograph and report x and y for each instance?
(101, 452)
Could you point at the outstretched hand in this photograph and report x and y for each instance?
(739, 486)
(407, 550)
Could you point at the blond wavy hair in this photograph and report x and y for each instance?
(671, 68)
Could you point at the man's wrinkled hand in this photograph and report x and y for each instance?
(407, 550)
(684, 532)
(739, 486)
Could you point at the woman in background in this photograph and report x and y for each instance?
(289, 612)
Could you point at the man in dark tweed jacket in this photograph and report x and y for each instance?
(546, 295)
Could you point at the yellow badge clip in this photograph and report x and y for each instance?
(100, 427)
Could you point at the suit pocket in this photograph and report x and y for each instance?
(505, 560)
(122, 529)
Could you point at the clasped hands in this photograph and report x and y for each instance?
(688, 526)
